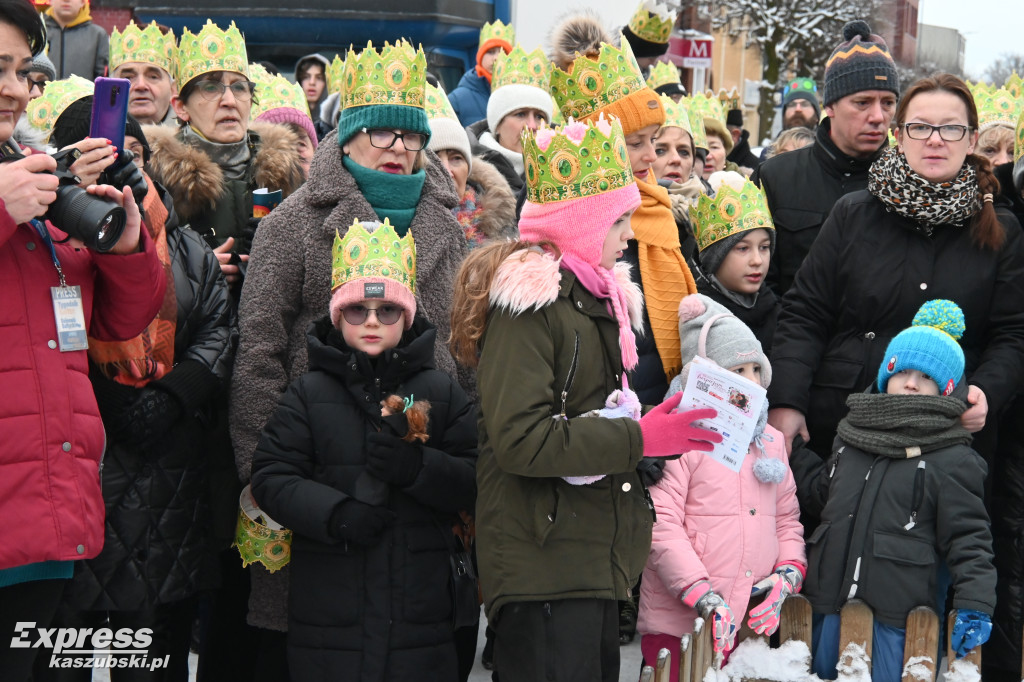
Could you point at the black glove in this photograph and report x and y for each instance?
(124, 172)
(391, 459)
(360, 523)
(149, 417)
(651, 470)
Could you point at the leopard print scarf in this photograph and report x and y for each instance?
(905, 193)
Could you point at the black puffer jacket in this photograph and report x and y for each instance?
(156, 545)
(761, 318)
(802, 186)
(862, 283)
(381, 612)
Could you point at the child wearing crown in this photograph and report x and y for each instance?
(371, 503)
(563, 523)
(902, 498)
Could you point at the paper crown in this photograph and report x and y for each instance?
(43, 111)
(497, 32)
(1015, 85)
(677, 115)
(259, 538)
(212, 49)
(519, 67)
(336, 75)
(652, 22)
(1018, 147)
(381, 253)
(395, 75)
(577, 160)
(706, 106)
(591, 85)
(734, 209)
(437, 104)
(663, 73)
(700, 134)
(277, 92)
(996, 106)
(730, 99)
(146, 45)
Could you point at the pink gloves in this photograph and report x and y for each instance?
(667, 434)
(711, 607)
(764, 618)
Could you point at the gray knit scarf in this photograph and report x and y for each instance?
(903, 426)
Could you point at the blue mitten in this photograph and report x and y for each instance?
(970, 629)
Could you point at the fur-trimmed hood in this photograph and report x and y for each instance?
(494, 196)
(532, 279)
(196, 183)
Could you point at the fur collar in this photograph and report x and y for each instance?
(494, 196)
(532, 279)
(196, 183)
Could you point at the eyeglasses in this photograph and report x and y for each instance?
(214, 90)
(41, 84)
(385, 139)
(358, 314)
(922, 131)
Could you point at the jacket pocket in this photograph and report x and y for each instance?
(902, 549)
(426, 591)
(838, 372)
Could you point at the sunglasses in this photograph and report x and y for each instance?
(358, 313)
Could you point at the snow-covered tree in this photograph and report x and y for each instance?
(791, 34)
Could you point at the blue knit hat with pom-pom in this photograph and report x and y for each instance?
(929, 345)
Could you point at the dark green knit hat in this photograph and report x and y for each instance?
(861, 62)
(382, 116)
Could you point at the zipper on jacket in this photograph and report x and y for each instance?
(918, 495)
(572, 374)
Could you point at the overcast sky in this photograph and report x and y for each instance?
(991, 27)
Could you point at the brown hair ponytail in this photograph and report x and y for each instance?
(986, 230)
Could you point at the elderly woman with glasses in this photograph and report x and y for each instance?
(216, 159)
(375, 166)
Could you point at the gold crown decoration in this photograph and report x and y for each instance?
(677, 115)
(497, 32)
(520, 67)
(730, 99)
(336, 76)
(43, 111)
(707, 106)
(212, 49)
(258, 538)
(1018, 147)
(653, 22)
(663, 73)
(277, 92)
(979, 89)
(577, 160)
(147, 45)
(380, 253)
(591, 85)
(395, 75)
(738, 206)
(437, 104)
(995, 107)
(258, 72)
(1015, 85)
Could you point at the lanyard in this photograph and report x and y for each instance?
(45, 235)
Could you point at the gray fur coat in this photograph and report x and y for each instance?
(288, 286)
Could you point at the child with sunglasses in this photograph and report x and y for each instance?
(371, 503)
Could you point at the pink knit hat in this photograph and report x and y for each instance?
(289, 115)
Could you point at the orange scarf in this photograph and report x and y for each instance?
(663, 272)
(150, 355)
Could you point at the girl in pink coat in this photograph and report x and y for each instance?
(722, 539)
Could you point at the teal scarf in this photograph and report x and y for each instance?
(391, 196)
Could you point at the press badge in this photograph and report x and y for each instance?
(70, 317)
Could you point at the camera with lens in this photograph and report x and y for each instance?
(95, 221)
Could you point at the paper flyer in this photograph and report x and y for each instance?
(738, 401)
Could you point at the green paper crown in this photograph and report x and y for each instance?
(497, 31)
(258, 72)
(276, 92)
(577, 160)
(381, 253)
(979, 89)
(731, 211)
(259, 538)
(213, 49)
(43, 111)
(663, 73)
(652, 22)
(591, 85)
(700, 134)
(146, 45)
(707, 106)
(396, 75)
(437, 104)
(996, 106)
(677, 115)
(521, 68)
(336, 75)
(557, 120)
(1015, 85)
(1018, 147)
(730, 99)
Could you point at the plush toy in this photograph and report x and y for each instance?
(417, 414)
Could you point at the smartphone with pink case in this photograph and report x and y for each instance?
(110, 110)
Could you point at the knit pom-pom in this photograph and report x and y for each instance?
(769, 470)
(857, 28)
(941, 314)
(691, 307)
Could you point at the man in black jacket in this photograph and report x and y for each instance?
(861, 87)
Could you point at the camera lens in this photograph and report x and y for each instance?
(97, 222)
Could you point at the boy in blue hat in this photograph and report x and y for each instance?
(903, 503)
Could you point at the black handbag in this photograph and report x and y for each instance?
(466, 605)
